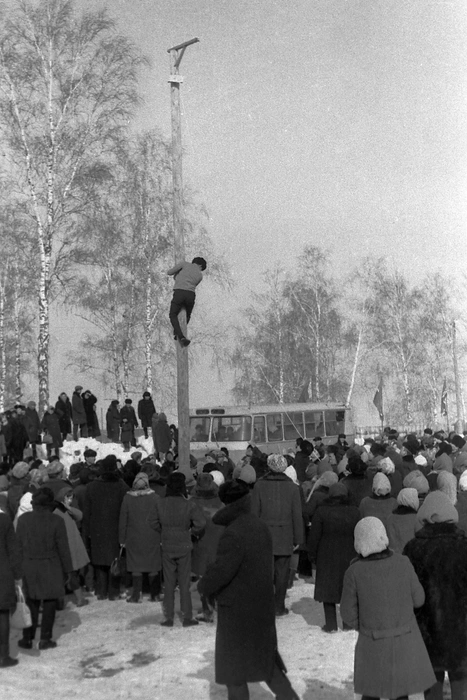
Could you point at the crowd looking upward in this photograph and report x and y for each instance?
(377, 524)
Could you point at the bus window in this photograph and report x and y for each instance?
(293, 426)
(259, 429)
(314, 425)
(231, 428)
(274, 424)
(335, 422)
(199, 428)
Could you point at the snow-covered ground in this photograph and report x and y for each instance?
(118, 651)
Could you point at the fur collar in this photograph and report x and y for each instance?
(404, 510)
(225, 516)
(434, 530)
(141, 492)
(375, 557)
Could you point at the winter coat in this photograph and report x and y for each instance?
(459, 461)
(16, 438)
(438, 553)
(51, 425)
(316, 498)
(301, 462)
(358, 486)
(241, 579)
(128, 412)
(64, 410)
(142, 543)
(32, 424)
(146, 409)
(205, 549)
(57, 484)
(400, 526)
(378, 507)
(16, 491)
(331, 546)
(70, 516)
(89, 404)
(10, 558)
(379, 595)
(443, 463)
(78, 413)
(102, 503)
(112, 419)
(276, 501)
(161, 433)
(177, 518)
(45, 554)
(461, 507)
(127, 432)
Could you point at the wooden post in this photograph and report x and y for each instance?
(183, 393)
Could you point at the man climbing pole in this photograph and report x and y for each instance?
(187, 276)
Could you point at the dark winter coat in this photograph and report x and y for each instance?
(32, 424)
(161, 434)
(400, 526)
(127, 432)
(301, 462)
(102, 503)
(177, 518)
(45, 554)
(63, 409)
(331, 546)
(79, 555)
(128, 412)
(205, 549)
(241, 579)
(378, 507)
(316, 498)
(142, 542)
(10, 568)
(89, 403)
(112, 419)
(146, 409)
(78, 414)
(378, 599)
(276, 501)
(438, 553)
(51, 425)
(16, 438)
(461, 507)
(358, 486)
(16, 491)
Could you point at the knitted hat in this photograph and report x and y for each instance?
(218, 477)
(447, 483)
(416, 480)
(409, 498)
(55, 468)
(176, 484)
(233, 491)
(292, 474)
(463, 482)
(247, 474)
(381, 484)
(141, 482)
(458, 441)
(20, 470)
(437, 508)
(370, 537)
(386, 466)
(277, 463)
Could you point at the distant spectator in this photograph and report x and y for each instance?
(146, 410)
(89, 403)
(78, 414)
(112, 418)
(64, 411)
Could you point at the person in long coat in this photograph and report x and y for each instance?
(276, 501)
(51, 426)
(32, 424)
(78, 414)
(205, 549)
(331, 548)
(438, 553)
(102, 503)
(380, 592)
(161, 435)
(64, 411)
(357, 482)
(112, 419)
(142, 543)
(89, 404)
(380, 504)
(241, 581)
(400, 524)
(10, 571)
(146, 410)
(46, 562)
(79, 556)
(128, 412)
(461, 503)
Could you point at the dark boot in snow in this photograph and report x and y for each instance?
(136, 596)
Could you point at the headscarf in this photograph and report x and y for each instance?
(381, 485)
(370, 536)
(437, 508)
(409, 498)
(141, 482)
(291, 473)
(386, 466)
(218, 477)
(447, 483)
(326, 480)
(20, 470)
(416, 480)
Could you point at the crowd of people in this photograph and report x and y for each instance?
(379, 526)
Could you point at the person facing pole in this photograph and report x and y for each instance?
(186, 276)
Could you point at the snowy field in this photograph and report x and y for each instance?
(116, 650)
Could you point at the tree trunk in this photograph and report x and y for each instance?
(18, 391)
(148, 335)
(2, 347)
(354, 368)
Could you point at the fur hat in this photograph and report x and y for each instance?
(463, 481)
(416, 480)
(141, 482)
(55, 468)
(42, 497)
(381, 484)
(205, 482)
(370, 536)
(447, 483)
(408, 497)
(247, 474)
(20, 470)
(233, 491)
(458, 441)
(176, 484)
(277, 463)
(437, 508)
(218, 477)
(89, 453)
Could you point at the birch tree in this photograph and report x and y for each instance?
(68, 89)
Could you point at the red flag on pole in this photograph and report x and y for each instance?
(378, 399)
(444, 400)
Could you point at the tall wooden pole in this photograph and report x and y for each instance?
(183, 393)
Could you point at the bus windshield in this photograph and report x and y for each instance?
(231, 428)
(199, 428)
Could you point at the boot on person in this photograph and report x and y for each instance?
(136, 596)
(155, 588)
(81, 599)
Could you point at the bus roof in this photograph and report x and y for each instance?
(267, 408)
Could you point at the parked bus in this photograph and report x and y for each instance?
(273, 428)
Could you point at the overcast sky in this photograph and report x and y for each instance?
(340, 123)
